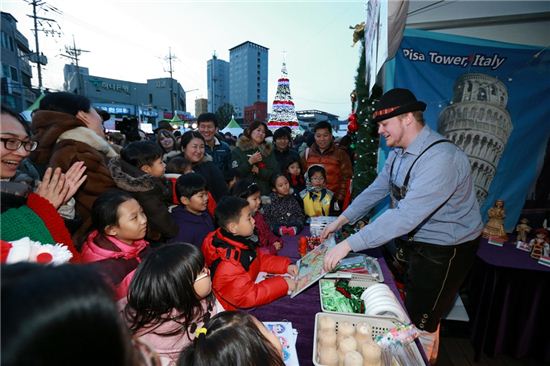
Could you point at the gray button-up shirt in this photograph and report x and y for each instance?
(440, 198)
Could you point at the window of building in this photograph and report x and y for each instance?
(5, 42)
(6, 71)
(150, 98)
(14, 74)
(26, 80)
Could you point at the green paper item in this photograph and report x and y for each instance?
(333, 300)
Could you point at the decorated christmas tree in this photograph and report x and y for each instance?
(283, 113)
(365, 133)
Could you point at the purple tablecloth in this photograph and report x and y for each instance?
(508, 256)
(509, 311)
(301, 309)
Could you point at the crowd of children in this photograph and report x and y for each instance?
(180, 263)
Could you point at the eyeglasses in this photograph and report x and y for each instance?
(15, 144)
(204, 273)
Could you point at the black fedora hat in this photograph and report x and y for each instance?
(395, 102)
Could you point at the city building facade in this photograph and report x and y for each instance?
(150, 102)
(217, 80)
(248, 67)
(16, 75)
(201, 106)
(308, 118)
(255, 112)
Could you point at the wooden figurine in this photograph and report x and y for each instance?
(523, 229)
(542, 237)
(495, 226)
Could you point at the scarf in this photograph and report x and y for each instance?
(99, 247)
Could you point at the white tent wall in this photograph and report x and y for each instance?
(508, 25)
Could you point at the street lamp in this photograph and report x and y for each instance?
(189, 91)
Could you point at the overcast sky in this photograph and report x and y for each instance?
(128, 40)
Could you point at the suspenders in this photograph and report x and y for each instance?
(398, 193)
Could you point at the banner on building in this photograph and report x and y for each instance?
(489, 98)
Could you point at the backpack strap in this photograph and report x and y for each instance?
(230, 253)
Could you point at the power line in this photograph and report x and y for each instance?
(39, 58)
(73, 54)
(169, 58)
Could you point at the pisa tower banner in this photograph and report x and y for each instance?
(490, 99)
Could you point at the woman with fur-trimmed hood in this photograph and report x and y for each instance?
(253, 157)
(68, 130)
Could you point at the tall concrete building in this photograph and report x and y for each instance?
(217, 75)
(201, 106)
(150, 101)
(16, 70)
(247, 76)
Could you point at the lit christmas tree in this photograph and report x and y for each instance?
(365, 141)
(283, 113)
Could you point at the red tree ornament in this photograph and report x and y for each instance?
(353, 126)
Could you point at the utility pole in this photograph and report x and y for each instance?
(73, 53)
(39, 58)
(169, 58)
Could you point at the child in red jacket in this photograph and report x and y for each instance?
(250, 191)
(234, 259)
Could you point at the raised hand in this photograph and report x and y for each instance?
(255, 158)
(74, 177)
(53, 187)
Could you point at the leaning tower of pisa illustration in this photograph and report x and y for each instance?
(478, 122)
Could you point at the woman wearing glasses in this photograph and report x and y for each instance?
(68, 129)
(26, 213)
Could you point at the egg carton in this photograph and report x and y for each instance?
(379, 326)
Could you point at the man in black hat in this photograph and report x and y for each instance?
(434, 217)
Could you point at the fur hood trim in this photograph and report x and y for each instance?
(245, 143)
(169, 155)
(205, 158)
(129, 178)
(88, 137)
